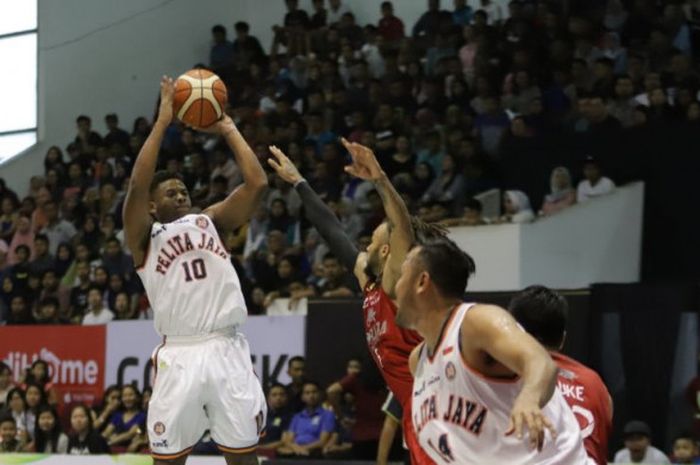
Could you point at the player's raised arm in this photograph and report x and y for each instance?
(323, 219)
(494, 331)
(136, 213)
(237, 208)
(365, 166)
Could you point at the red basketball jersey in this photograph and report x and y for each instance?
(390, 347)
(589, 399)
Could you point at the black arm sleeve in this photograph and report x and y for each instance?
(328, 226)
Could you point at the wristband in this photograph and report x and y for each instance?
(299, 182)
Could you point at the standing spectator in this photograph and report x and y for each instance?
(390, 27)
(638, 448)
(311, 428)
(115, 134)
(49, 439)
(296, 369)
(87, 140)
(221, 54)
(491, 124)
(462, 14)
(8, 218)
(366, 386)
(126, 424)
(336, 10)
(432, 21)
(623, 105)
(84, 440)
(562, 193)
(97, 314)
(278, 417)
(246, 48)
(594, 184)
(8, 435)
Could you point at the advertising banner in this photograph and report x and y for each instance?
(75, 355)
(272, 339)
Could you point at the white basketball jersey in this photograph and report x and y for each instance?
(189, 279)
(461, 417)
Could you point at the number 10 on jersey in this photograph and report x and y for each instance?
(194, 269)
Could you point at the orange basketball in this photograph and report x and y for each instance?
(200, 98)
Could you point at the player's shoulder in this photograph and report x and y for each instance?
(584, 373)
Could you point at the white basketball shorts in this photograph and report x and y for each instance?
(204, 382)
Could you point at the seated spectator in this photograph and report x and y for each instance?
(278, 417)
(311, 428)
(390, 27)
(8, 436)
(87, 140)
(432, 153)
(638, 448)
(16, 407)
(594, 184)
(111, 402)
(516, 206)
(449, 187)
(491, 125)
(685, 450)
(126, 424)
(43, 259)
(280, 220)
(337, 282)
(472, 215)
(84, 440)
(562, 193)
(8, 218)
(20, 313)
(48, 312)
(221, 53)
(35, 398)
(39, 374)
(23, 237)
(123, 308)
(49, 438)
(97, 313)
(6, 383)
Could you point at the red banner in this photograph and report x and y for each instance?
(75, 355)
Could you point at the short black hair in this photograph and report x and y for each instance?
(4, 367)
(296, 358)
(330, 256)
(543, 313)
(276, 384)
(311, 382)
(449, 266)
(83, 118)
(41, 237)
(113, 239)
(162, 176)
(23, 247)
(687, 435)
(8, 418)
(112, 117)
(242, 26)
(94, 287)
(218, 29)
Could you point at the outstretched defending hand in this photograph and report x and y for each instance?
(283, 166)
(527, 413)
(167, 91)
(364, 164)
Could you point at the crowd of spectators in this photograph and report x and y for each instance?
(304, 419)
(452, 108)
(457, 104)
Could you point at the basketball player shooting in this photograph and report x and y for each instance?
(204, 376)
(481, 382)
(376, 269)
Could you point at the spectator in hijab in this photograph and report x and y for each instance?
(562, 193)
(516, 207)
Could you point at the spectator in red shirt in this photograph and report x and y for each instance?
(364, 382)
(390, 27)
(542, 312)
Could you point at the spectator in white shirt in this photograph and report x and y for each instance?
(336, 10)
(638, 448)
(594, 184)
(516, 207)
(97, 313)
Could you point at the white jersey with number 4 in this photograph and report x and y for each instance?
(189, 279)
(461, 417)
